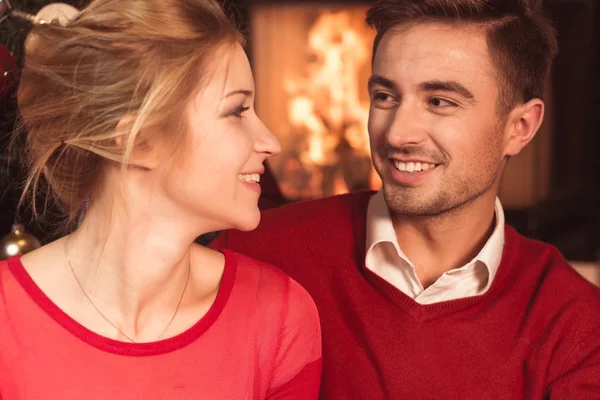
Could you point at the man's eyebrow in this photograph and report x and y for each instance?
(244, 92)
(446, 86)
(429, 86)
(381, 81)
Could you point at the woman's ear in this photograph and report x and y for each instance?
(123, 131)
(142, 154)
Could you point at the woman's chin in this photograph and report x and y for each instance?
(248, 222)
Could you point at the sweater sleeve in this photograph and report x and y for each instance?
(580, 378)
(298, 363)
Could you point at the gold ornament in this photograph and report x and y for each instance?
(17, 242)
(61, 12)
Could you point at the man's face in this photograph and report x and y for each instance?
(436, 137)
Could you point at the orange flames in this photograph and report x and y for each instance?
(325, 109)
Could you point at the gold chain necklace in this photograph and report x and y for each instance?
(100, 312)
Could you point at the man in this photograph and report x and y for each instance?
(422, 290)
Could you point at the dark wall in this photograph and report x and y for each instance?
(570, 218)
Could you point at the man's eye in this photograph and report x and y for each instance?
(383, 100)
(441, 103)
(382, 96)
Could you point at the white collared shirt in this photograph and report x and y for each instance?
(385, 258)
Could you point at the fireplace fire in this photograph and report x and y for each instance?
(311, 68)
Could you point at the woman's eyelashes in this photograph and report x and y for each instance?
(238, 112)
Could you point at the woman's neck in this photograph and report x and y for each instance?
(133, 263)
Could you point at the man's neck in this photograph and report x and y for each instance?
(439, 244)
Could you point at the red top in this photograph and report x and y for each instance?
(535, 334)
(259, 340)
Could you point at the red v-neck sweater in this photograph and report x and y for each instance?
(534, 335)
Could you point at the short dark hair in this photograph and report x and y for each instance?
(521, 40)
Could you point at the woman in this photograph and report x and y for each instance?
(146, 109)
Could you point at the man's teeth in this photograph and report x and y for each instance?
(251, 178)
(413, 167)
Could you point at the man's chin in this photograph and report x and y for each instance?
(413, 204)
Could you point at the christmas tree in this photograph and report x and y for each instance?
(14, 28)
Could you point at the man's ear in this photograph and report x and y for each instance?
(142, 155)
(523, 123)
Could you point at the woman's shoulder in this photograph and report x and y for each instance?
(253, 266)
(277, 297)
(25, 277)
(7, 279)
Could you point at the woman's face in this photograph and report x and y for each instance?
(215, 176)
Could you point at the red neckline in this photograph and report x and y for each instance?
(125, 348)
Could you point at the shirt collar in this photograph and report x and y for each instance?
(380, 229)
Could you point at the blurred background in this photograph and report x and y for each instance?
(311, 62)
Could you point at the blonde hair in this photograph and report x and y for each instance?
(118, 60)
